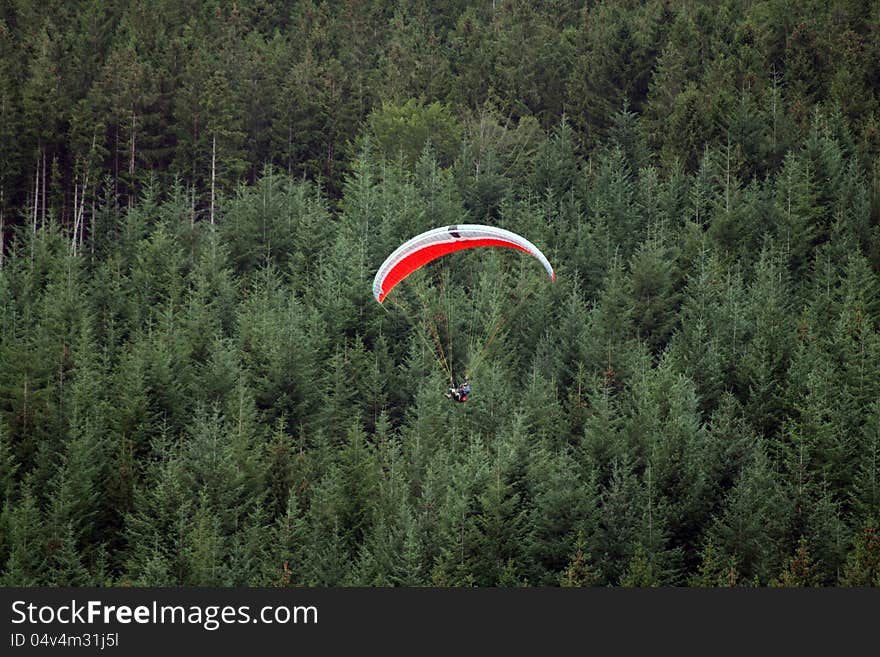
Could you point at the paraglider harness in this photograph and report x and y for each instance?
(459, 393)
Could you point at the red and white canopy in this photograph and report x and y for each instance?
(422, 249)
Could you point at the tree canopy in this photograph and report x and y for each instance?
(198, 388)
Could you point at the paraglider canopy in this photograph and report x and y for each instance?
(433, 244)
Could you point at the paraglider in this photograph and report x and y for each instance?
(459, 393)
(431, 245)
(422, 249)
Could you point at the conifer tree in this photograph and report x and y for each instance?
(753, 519)
(564, 513)
(863, 564)
(65, 564)
(641, 571)
(715, 570)
(865, 491)
(26, 544)
(799, 570)
(764, 361)
(287, 542)
(579, 571)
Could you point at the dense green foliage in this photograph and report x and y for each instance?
(197, 387)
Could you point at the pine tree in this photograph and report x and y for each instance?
(863, 564)
(26, 542)
(729, 442)
(612, 63)
(390, 555)
(676, 64)
(156, 529)
(799, 570)
(359, 475)
(804, 62)
(65, 564)
(579, 572)
(205, 546)
(664, 435)
(627, 134)
(621, 522)
(466, 557)
(641, 571)
(654, 284)
(535, 52)
(798, 213)
(715, 570)
(702, 348)
(403, 131)
(752, 521)
(564, 509)
(11, 119)
(123, 97)
(287, 543)
(764, 361)
(327, 546)
(615, 224)
(555, 168)
(8, 467)
(865, 492)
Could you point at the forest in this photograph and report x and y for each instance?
(197, 387)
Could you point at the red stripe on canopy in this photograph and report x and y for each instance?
(407, 265)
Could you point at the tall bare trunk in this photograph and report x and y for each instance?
(131, 159)
(75, 213)
(44, 188)
(79, 209)
(2, 225)
(92, 240)
(192, 216)
(213, 172)
(82, 209)
(116, 166)
(36, 194)
(289, 149)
